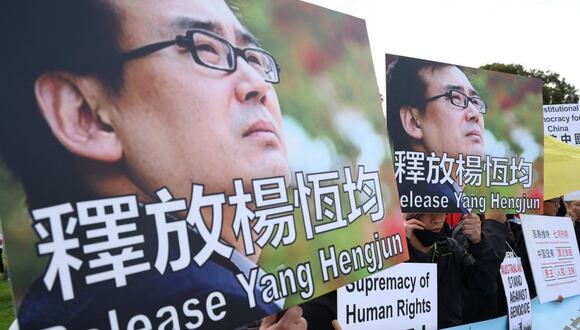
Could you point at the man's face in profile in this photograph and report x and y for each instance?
(447, 127)
(551, 206)
(574, 209)
(180, 122)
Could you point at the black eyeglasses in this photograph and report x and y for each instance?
(214, 52)
(461, 100)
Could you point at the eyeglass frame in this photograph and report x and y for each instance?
(463, 107)
(186, 41)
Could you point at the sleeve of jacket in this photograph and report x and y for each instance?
(480, 263)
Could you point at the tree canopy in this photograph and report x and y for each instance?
(555, 90)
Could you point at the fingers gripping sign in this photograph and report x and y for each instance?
(291, 320)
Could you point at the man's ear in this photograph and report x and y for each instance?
(410, 118)
(73, 109)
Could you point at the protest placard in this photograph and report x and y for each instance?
(517, 294)
(464, 139)
(562, 121)
(553, 253)
(189, 164)
(401, 297)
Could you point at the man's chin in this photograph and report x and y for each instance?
(475, 151)
(268, 168)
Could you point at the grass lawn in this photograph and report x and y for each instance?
(6, 309)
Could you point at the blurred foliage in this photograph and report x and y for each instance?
(555, 90)
(325, 64)
(514, 110)
(6, 309)
(513, 102)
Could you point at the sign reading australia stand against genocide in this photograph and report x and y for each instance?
(464, 140)
(189, 164)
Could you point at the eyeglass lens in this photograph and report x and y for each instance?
(215, 53)
(461, 100)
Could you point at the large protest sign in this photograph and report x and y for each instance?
(401, 297)
(553, 254)
(186, 164)
(562, 121)
(517, 294)
(464, 139)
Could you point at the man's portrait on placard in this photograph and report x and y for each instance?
(464, 139)
(171, 152)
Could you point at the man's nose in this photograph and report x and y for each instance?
(472, 112)
(250, 84)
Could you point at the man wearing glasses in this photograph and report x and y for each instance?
(123, 97)
(433, 108)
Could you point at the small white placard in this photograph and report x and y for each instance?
(401, 297)
(517, 294)
(562, 121)
(553, 253)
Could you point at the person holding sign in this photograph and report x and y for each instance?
(484, 307)
(138, 99)
(458, 268)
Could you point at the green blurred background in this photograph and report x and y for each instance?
(513, 126)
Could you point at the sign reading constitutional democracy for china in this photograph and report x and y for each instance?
(562, 121)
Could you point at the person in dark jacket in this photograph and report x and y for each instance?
(486, 306)
(458, 268)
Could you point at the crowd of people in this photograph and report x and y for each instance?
(122, 98)
(468, 257)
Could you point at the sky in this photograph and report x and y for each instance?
(538, 34)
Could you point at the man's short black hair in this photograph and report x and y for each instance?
(41, 36)
(405, 86)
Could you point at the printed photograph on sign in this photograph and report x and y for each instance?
(464, 139)
(189, 163)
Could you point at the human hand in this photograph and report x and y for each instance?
(291, 320)
(472, 227)
(411, 225)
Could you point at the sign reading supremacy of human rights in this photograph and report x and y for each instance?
(463, 139)
(187, 164)
(401, 297)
